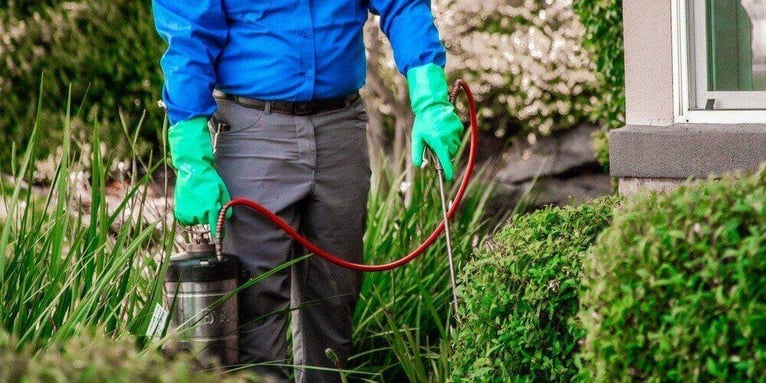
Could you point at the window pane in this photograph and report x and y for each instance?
(735, 42)
(728, 54)
(756, 13)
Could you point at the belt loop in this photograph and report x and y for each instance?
(267, 107)
(352, 98)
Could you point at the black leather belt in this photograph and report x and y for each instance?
(300, 108)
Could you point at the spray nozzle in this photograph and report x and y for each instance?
(198, 243)
(199, 238)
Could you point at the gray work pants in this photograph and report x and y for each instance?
(314, 173)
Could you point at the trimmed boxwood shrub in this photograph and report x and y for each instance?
(95, 357)
(675, 289)
(519, 297)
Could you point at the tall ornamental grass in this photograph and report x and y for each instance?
(66, 264)
(403, 318)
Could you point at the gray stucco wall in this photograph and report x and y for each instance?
(685, 150)
(651, 149)
(648, 62)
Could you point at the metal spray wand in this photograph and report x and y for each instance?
(445, 209)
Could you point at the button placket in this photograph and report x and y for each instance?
(307, 65)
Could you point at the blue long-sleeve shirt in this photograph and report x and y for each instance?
(286, 50)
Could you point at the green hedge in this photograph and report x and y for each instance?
(108, 51)
(519, 297)
(675, 288)
(95, 357)
(602, 20)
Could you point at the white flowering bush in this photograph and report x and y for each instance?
(524, 59)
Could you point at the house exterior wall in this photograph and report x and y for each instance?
(648, 62)
(652, 151)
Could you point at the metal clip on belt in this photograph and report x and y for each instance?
(301, 108)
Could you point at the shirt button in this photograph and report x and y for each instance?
(305, 35)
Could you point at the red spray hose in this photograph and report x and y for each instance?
(459, 84)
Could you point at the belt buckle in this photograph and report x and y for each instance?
(303, 108)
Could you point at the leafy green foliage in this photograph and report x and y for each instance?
(96, 357)
(602, 20)
(401, 323)
(69, 263)
(107, 51)
(674, 288)
(520, 297)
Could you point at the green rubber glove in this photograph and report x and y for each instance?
(436, 123)
(199, 193)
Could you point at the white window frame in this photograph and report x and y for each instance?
(683, 85)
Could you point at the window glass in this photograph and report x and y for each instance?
(728, 54)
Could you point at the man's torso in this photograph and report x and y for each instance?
(293, 50)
